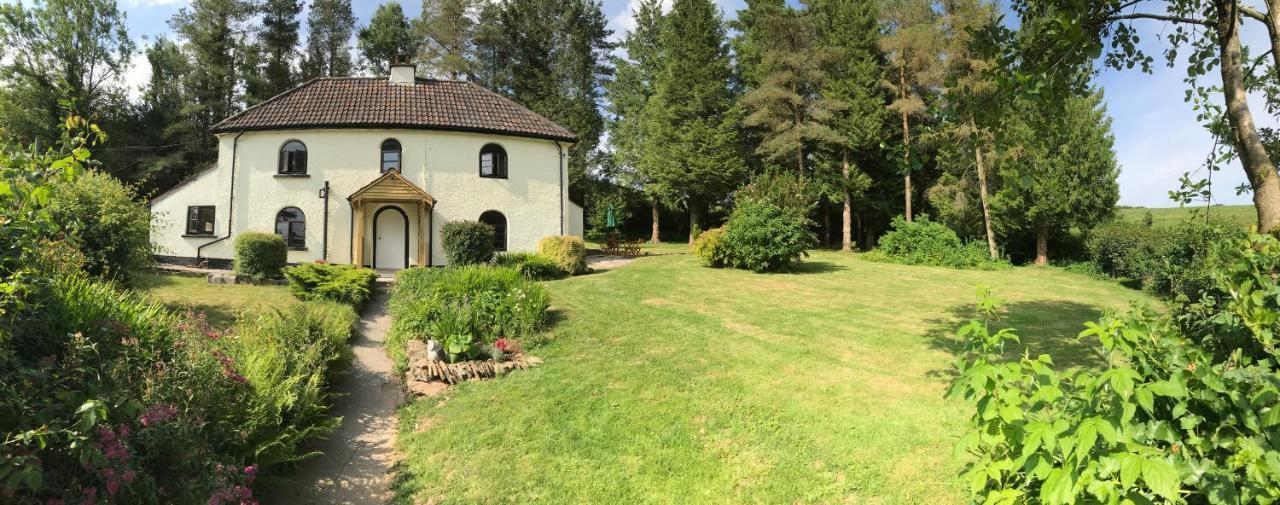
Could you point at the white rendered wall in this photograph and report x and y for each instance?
(444, 164)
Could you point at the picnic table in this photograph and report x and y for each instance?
(619, 247)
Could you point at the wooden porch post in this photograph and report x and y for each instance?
(422, 234)
(357, 241)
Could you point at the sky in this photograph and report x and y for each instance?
(1157, 137)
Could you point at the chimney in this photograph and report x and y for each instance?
(403, 71)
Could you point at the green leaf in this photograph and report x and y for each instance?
(1146, 400)
(1130, 468)
(1161, 477)
(1057, 488)
(5, 189)
(41, 195)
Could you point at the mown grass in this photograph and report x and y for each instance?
(667, 382)
(1169, 216)
(220, 303)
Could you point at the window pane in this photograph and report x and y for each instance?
(390, 160)
(486, 164)
(297, 234)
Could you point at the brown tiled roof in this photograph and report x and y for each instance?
(373, 102)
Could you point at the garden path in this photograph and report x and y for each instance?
(355, 467)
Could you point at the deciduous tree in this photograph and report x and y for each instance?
(389, 35)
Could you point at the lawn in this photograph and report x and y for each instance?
(667, 382)
(1169, 216)
(220, 302)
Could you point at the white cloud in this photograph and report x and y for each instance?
(625, 21)
(136, 76)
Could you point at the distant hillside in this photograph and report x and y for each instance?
(1167, 216)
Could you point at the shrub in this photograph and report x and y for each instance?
(466, 308)
(467, 242)
(534, 267)
(260, 255)
(340, 283)
(565, 250)
(760, 236)
(105, 221)
(794, 194)
(108, 392)
(1122, 249)
(925, 242)
(710, 248)
(1171, 417)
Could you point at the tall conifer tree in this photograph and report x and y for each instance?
(330, 27)
(278, 42)
(629, 96)
(913, 45)
(447, 37)
(691, 130)
(389, 35)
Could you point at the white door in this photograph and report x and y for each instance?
(390, 238)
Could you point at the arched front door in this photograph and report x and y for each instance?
(390, 238)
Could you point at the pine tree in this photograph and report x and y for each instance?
(554, 56)
(787, 105)
(447, 34)
(692, 129)
(55, 50)
(330, 26)
(176, 146)
(754, 39)
(388, 36)
(849, 29)
(489, 69)
(913, 48)
(278, 41)
(1061, 169)
(213, 30)
(971, 94)
(629, 94)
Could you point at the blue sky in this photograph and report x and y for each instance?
(1157, 136)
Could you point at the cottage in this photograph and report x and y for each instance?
(366, 170)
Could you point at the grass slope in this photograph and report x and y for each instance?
(667, 382)
(220, 302)
(1169, 216)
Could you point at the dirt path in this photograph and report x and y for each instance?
(354, 468)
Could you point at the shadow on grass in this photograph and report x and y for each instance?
(1045, 327)
(220, 317)
(816, 267)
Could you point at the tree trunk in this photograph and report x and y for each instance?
(1253, 155)
(906, 146)
(846, 218)
(654, 237)
(826, 223)
(695, 217)
(1042, 246)
(986, 206)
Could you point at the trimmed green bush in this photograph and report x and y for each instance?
(926, 242)
(466, 308)
(710, 248)
(1123, 249)
(467, 242)
(760, 236)
(103, 218)
(532, 266)
(260, 255)
(567, 251)
(326, 281)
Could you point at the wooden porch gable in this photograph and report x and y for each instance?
(391, 187)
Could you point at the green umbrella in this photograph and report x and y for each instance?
(611, 218)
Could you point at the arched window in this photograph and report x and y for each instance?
(499, 223)
(292, 225)
(493, 161)
(391, 155)
(293, 158)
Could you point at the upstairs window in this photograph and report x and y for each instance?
(391, 155)
(493, 161)
(291, 224)
(499, 223)
(293, 158)
(200, 220)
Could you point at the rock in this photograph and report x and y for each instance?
(424, 388)
(219, 278)
(415, 351)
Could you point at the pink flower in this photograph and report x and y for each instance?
(128, 476)
(157, 414)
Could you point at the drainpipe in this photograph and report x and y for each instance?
(324, 248)
(231, 198)
(563, 195)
